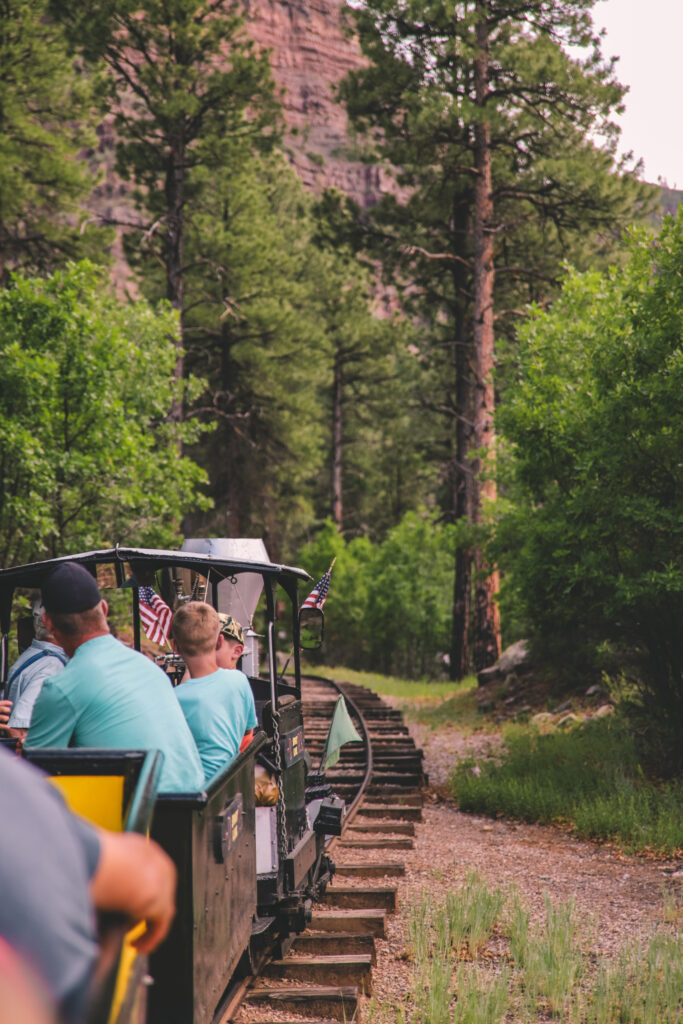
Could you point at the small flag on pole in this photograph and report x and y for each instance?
(341, 731)
(155, 615)
(316, 598)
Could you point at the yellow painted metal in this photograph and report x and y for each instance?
(99, 798)
(123, 977)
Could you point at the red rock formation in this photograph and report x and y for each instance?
(310, 54)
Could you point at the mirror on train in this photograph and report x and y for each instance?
(311, 628)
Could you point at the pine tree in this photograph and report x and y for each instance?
(44, 121)
(492, 130)
(189, 90)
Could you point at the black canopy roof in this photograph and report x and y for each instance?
(32, 574)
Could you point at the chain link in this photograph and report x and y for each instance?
(281, 809)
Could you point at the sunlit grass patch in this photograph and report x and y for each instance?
(391, 686)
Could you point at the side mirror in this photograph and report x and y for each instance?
(311, 628)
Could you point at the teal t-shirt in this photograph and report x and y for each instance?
(111, 696)
(219, 709)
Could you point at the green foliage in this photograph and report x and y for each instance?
(254, 334)
(643, 986)
(589, 777)
(593, 538)
(391, 600)
(87, 454)
(44, 122)
(556, 194)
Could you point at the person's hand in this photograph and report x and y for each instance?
(5, 711)
(135, 877)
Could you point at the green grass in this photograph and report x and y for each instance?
(391, 686)
(477, 958)
(589, 777)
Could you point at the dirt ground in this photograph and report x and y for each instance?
(618, 898)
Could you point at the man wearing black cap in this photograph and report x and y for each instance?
(108, 695)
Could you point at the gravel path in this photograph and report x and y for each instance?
(617, 897)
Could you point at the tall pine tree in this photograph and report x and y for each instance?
(503, 155)
(188, 89)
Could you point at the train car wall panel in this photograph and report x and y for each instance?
(211, 838)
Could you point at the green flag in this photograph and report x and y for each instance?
(341, 731)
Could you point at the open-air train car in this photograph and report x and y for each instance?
(245, 872)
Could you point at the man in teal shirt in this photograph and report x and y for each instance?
(108, 695)
(217, 702)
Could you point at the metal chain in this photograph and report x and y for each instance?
(281, 809)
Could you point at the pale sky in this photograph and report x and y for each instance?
(647, 36)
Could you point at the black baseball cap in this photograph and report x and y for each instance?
(70, 588)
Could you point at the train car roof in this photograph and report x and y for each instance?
(33, 573)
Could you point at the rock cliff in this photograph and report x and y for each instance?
(310, 54)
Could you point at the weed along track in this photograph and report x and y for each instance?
(319, 975)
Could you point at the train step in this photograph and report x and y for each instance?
(338, 1003)
(369, 922)
(357, 898)
(373, 869)
(343, 969)
(334, 943)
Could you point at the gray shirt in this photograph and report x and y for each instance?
(47, 857)
(38, 662)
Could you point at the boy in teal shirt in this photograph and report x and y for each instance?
(217, 703)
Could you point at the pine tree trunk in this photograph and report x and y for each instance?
(337, 443)
(462, 494)
(486, 615)
(175, 198)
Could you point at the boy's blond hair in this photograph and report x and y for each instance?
(195, 628)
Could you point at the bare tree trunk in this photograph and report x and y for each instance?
(337, 442)
(486, 615)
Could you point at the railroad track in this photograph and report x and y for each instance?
(321, 974)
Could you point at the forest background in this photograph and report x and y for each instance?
(487, 441)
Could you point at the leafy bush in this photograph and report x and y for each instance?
(592, 539)
(390, 602)
(88, 453)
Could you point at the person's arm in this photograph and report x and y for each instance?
(22, 711)
(53, 719)
(135, 877)
(5, 711)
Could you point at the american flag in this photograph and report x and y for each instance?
(316, 598)
(155, 615)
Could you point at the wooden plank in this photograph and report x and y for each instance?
(356, 898)
(334, 943)
(371, 922)
(384, 827)
(377, 844)
(371, 870)
(339, 1003)
(395, 811)
(343, 969)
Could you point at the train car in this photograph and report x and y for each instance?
(247, 873)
